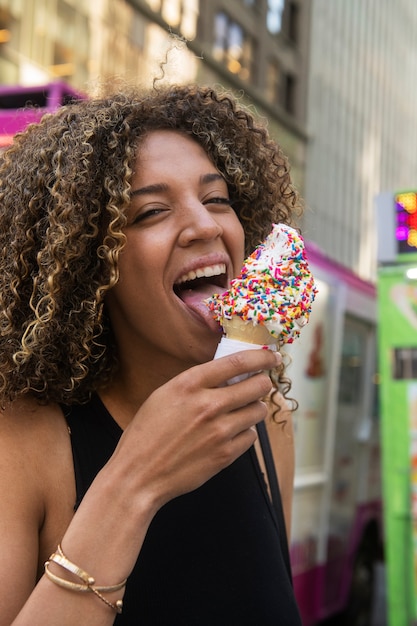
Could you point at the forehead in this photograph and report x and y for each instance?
(170, 152)
(160, 142)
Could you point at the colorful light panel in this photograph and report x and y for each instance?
(406, 221)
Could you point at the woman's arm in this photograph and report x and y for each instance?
(187, 431)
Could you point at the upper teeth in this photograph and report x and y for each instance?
(203, 272)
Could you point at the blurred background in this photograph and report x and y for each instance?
(336, 81)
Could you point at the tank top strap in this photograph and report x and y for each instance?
(94, 437)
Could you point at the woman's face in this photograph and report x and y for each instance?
(183, 243)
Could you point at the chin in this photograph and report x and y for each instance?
(205, 352)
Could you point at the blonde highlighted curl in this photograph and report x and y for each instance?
(64, 190)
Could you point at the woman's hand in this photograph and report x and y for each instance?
(195, 425)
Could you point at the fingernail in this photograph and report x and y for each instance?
(278, 357)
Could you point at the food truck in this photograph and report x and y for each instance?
(20, 106)
(337, 511)
(397, 307)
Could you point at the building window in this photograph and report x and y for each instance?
(289, 88)
(273, 82)
(233, 46)
(274, 16)
(70, 42)
(283, 17)
(189, 18)
(281, 87)
(293, 19)
(9, 42)
(5, 26)
(180, 14)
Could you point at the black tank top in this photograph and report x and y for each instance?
(211, 557)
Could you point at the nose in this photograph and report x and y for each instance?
(199, 224)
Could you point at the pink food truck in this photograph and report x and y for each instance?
(336, 528)
(20, 106)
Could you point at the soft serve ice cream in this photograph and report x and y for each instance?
(270, 300)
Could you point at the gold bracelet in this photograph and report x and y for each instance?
(62, 582)
(60, 559)
(89, 580)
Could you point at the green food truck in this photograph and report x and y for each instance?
(397, 346)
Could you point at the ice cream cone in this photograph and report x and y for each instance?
(271, 298)
(239, 330)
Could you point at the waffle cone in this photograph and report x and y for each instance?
(239, 330)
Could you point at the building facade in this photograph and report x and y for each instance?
(362, 121)
(335, 80)
(258, 48)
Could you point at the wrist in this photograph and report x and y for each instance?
(107, 530)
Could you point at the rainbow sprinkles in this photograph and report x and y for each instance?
(275, 288)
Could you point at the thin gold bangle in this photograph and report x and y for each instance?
(60, 559)
(89, 580)
(62, 582)
(117, 606)
(67, 584)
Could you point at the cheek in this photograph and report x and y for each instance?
(132, 276)
(139, 259)
(237, 244)
(141, 274)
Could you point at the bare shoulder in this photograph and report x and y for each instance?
(26, 413)
(27, 431)
(36, 479)
(279, 424)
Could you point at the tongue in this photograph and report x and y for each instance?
(194, 298)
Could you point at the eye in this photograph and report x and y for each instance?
(218, 201)
(148, 213)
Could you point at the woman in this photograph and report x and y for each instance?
(128, 473)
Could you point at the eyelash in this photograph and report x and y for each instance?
(218, 201)
(152, 212)
(146, 214)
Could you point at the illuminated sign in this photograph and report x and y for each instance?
(396, 222)
(406, 221)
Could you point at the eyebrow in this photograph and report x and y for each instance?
(156, 188)
(161, 187)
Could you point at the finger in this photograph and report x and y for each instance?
(238, 432)
(247, 417)
(242, 393)
(243, 441)
(217, 372)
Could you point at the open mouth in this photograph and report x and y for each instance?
(205, 280)
(195, 286)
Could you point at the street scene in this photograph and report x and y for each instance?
(332, 84)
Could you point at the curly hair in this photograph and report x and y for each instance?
(64, 190)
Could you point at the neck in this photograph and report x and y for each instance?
(132, 385)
